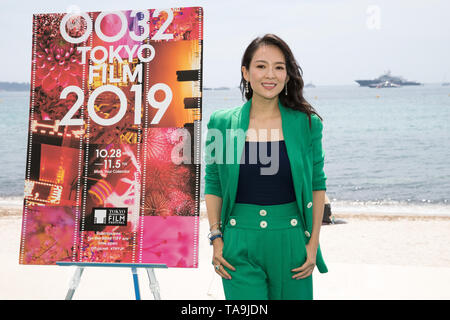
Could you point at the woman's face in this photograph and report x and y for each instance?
(267, 73)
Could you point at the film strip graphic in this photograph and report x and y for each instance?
(66, 178)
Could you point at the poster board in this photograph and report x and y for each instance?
(113, 155)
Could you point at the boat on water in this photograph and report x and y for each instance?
(387, 77)
(386, 84)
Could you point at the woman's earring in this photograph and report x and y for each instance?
(285, 89)
(246, 86)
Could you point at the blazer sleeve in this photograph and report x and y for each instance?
(212, 181)
(318, 178)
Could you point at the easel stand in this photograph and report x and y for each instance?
(154, 285)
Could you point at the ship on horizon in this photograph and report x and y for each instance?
(387, 77)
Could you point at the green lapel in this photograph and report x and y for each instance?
(239, 121)
(294, 140)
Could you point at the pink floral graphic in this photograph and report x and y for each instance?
(49, 234)
(169, 188)
(58, 62)
(169, 241)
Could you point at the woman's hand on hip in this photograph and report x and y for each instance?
(308, 267)
(219, 261)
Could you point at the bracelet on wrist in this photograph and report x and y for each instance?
(214, 224)
(214, 233)
(214, 237)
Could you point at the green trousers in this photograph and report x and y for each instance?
(264, 243)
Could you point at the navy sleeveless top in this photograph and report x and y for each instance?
(265, 178)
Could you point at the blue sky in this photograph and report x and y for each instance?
(335, 42)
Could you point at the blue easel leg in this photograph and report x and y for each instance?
(136, 283)
(154, 286)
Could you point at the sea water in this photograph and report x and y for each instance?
(386, 150)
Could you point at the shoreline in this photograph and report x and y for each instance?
(9, 210)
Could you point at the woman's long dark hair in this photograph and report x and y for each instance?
(294, 99)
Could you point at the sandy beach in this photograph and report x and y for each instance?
(370, 256)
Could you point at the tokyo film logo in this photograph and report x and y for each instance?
(110, 216)
(99, 216)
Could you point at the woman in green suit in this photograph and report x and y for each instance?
(265, 192)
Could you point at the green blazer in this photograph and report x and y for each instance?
(223, 151)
